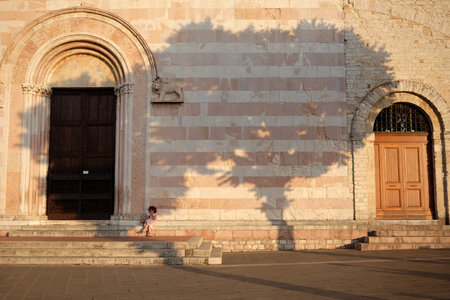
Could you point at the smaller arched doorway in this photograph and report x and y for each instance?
(403, 163)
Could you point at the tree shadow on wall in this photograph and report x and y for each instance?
(264, 129)
(265, 118)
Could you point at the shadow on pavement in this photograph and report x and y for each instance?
(279, 285)
(439, 276)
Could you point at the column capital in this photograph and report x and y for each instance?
(125, 88)
(45, 91)
(29, 88)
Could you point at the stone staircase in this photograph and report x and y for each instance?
(101, 244)
(402, 237)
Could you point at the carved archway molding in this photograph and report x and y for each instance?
(362, 137)
(25, 73)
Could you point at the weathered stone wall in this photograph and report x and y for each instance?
(410, 36)
(262, 133)
(270, 89)
(403, 46)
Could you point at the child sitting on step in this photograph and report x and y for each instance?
(151, 219)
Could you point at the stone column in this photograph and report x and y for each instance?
(3, 146)
(124, 127)
(34, 159)
(28, 90)
(117, 201)
(44, 144)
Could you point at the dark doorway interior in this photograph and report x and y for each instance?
(81, 155)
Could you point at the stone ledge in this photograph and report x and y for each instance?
(283, 245)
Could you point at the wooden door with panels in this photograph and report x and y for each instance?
(82, 153)
(403, 164)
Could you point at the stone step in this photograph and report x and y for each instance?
(216, 256)
(72, 227)
(409, 227)
(194, 242)
(107, 251)
(52, 260)
(92, 252)
(412, 232)
(9, 243)
(379, 246)
(204, 249)
(98, 245)
(407, 239)
(63, 233)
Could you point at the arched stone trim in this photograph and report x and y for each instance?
(362, 126)
(28, 65)
(59, 49)
(362, 138)
(87, 12)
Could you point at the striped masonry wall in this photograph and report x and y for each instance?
(262, 134)
(258, 156)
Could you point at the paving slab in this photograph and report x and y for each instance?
(322, 274)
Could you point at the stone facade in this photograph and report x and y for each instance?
(267, 128)
(395, 51)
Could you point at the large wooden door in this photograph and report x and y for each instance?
(81, 156)
(402, 181)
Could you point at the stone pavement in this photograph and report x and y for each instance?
(322, 274)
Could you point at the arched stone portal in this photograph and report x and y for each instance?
(43, 56)
(434, 106)
(403, 163)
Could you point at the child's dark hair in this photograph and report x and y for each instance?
(150, 208)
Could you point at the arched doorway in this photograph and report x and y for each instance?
(74, 48)
(80, 178)
(363, 138)
(403, 163)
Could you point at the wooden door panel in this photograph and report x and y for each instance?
(414, 175)
(67, 150)
(99, 166)
(392, 165)
(96, 187)
(97, 143)
(101, 108)
(412, 164)
(393, 198)
(413, 198)
(66, 187)
(391, 177)
(377, 176)
(82, 145)
(61, 104)
(63, 165)
(67, 139)
(63, 209)
(401, 174)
